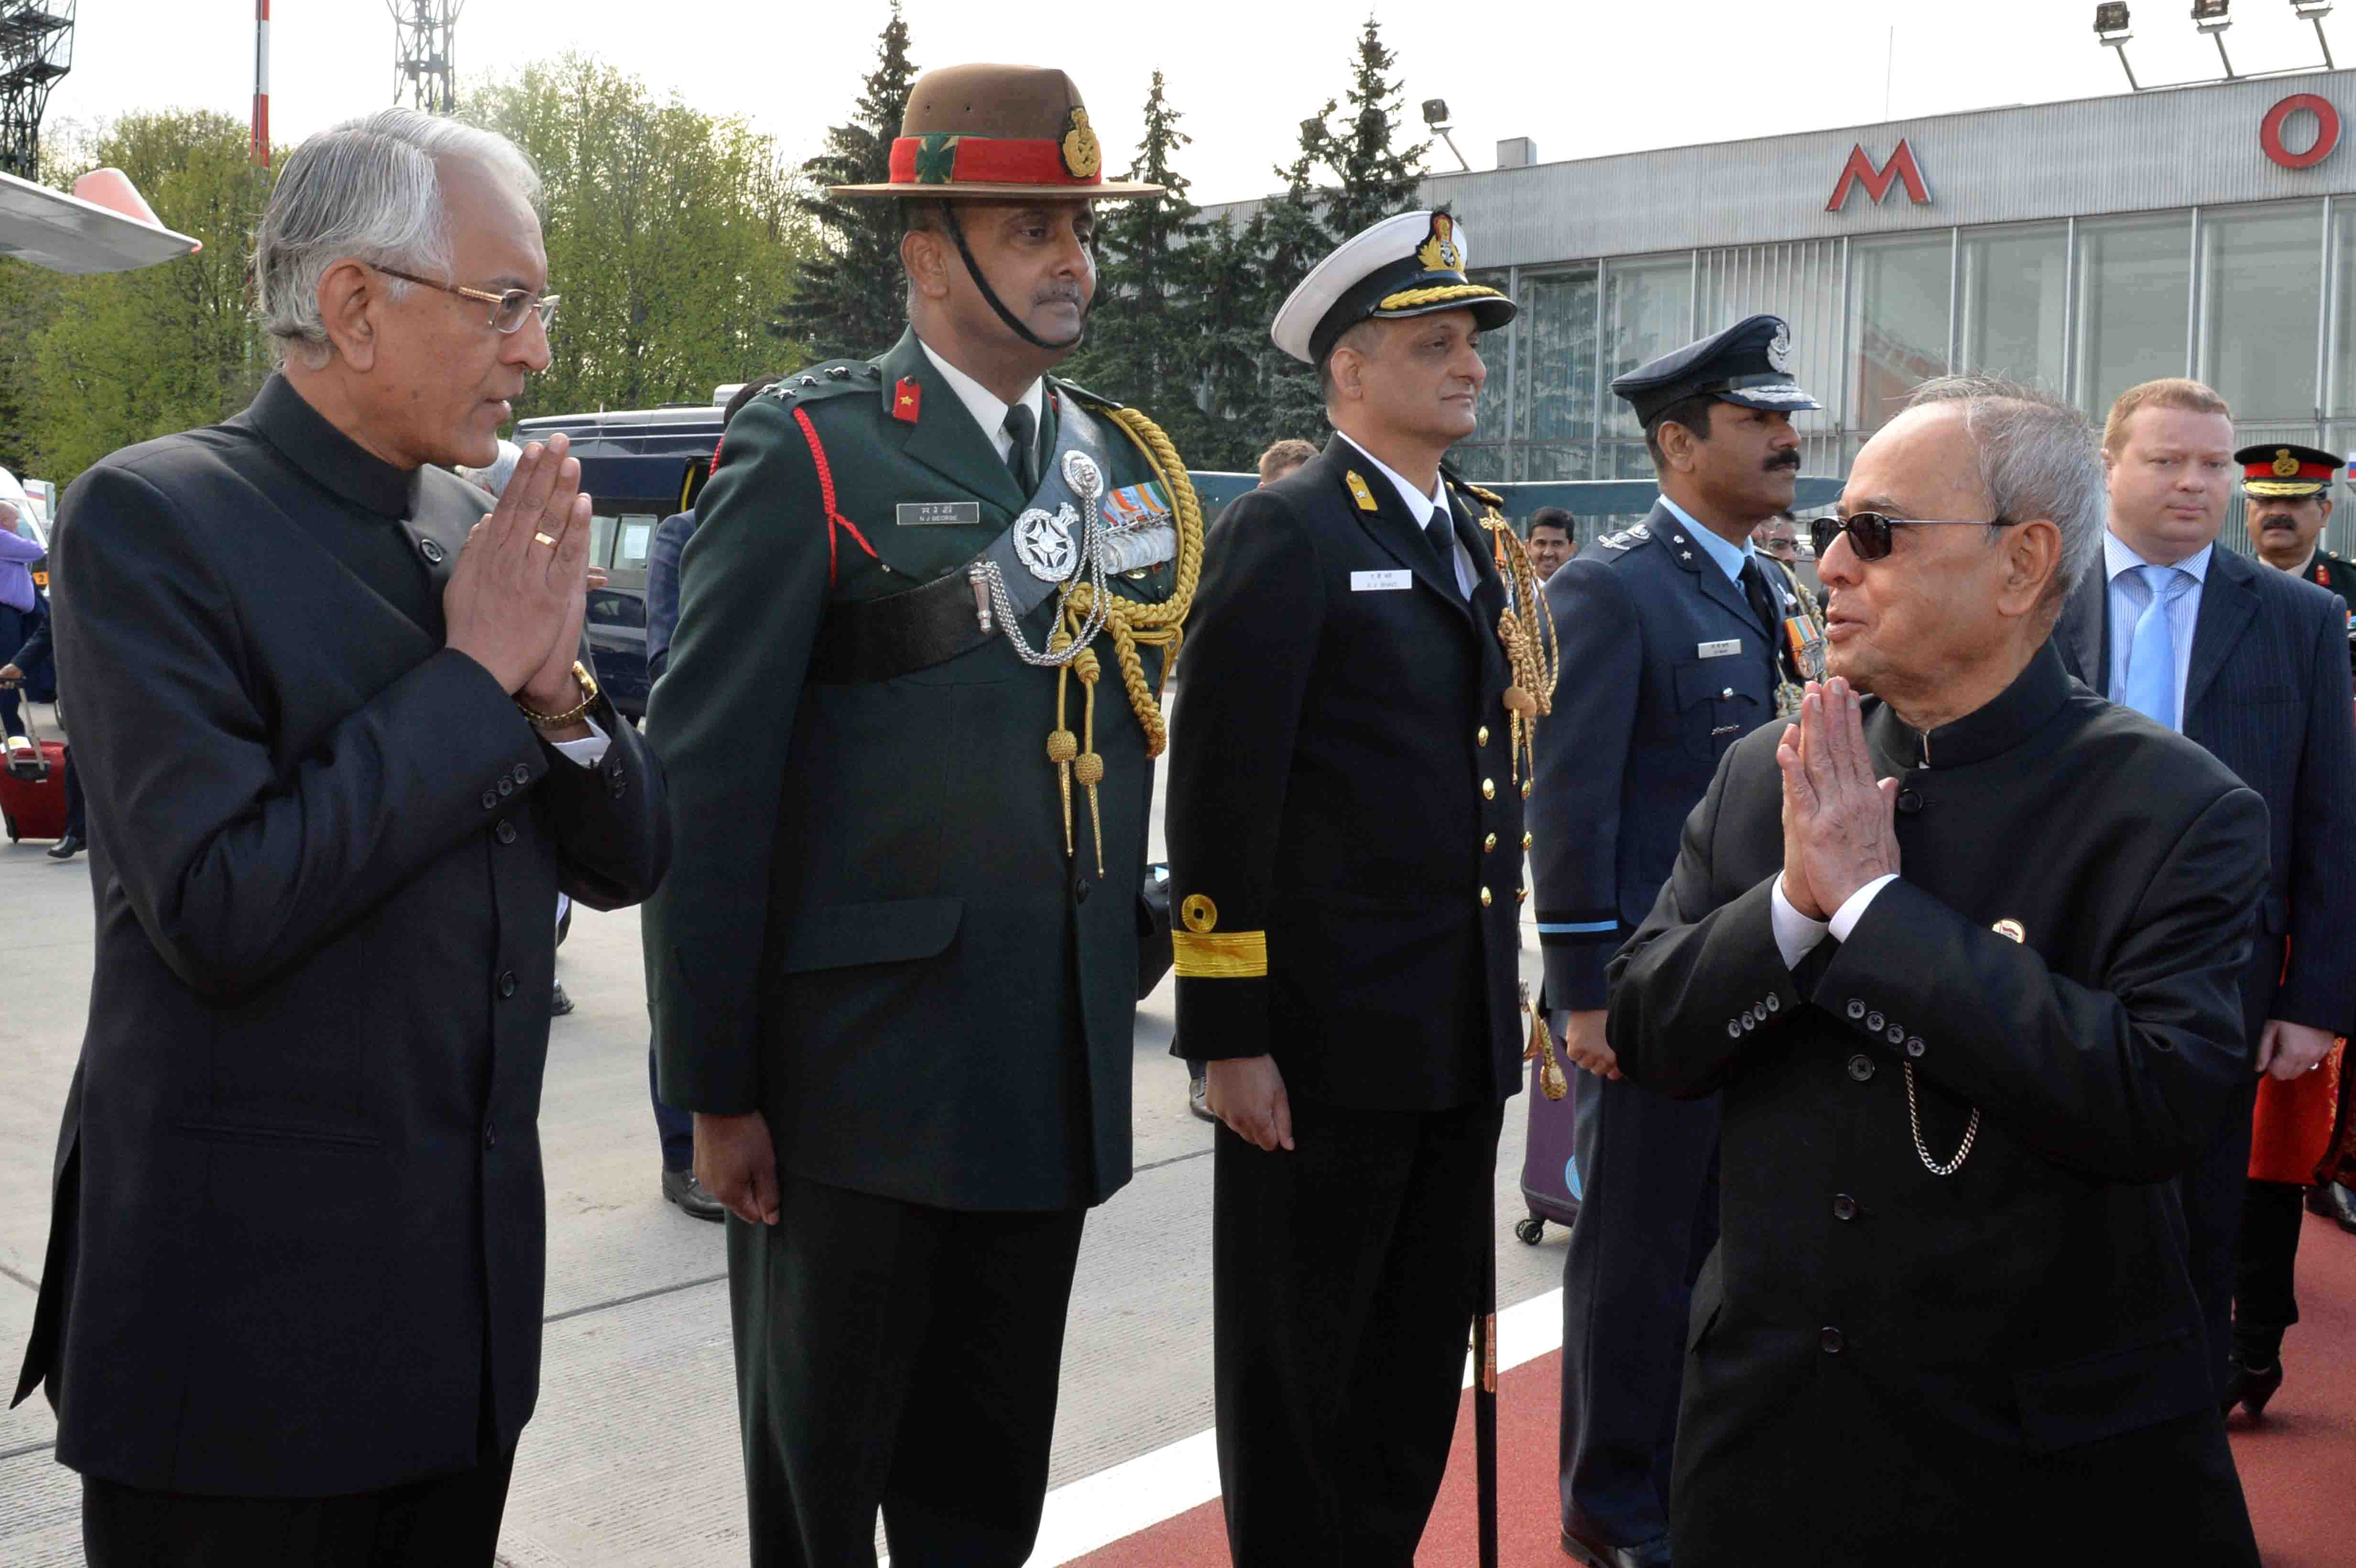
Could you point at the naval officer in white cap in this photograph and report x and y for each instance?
(1347, 774)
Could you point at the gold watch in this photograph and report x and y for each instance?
(588, 684)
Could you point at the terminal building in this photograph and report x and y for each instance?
(2206, 231)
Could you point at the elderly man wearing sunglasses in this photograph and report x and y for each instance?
(1959, 951)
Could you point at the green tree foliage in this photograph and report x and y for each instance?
(1145, 335)
(848, 299)
(669, 234)
(1373, 179)
(126, 356)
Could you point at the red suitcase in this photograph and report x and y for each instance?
(33, 788)
(1550, 1185)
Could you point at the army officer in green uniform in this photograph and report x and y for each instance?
(910, 716)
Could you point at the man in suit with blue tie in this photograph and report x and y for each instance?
(2252, 662)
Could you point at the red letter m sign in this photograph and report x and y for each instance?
(1860, 170)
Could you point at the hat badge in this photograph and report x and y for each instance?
(1779, 351)
(1082, 156)
(2285, 466)
(1439, 252)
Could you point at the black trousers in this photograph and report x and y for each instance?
(2266, 1269)
(1647, 1219)
(445, 1521)
(1345, 1274)
(2212, 1195)
(897, 1357)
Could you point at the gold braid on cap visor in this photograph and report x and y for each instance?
(1445, 292)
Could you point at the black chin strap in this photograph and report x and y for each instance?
(956, 233)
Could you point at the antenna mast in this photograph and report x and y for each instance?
(35, 52)
(422, 65)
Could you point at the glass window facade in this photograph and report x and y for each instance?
(2259, 300)
(2013, 303)
(2135, 288)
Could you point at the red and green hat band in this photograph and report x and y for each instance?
(943, 159)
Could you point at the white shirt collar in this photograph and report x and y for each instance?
(987, 409)
(2119, 556)
(1420, 504)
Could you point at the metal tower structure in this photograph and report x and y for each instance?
(423, 71)
(35, 52)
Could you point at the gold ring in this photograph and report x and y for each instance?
(542, 538)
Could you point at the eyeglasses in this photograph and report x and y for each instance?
(1868, 532)
(508, 311)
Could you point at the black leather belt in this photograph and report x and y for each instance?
(863, 640)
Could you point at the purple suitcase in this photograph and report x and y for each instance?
(1550, 1185)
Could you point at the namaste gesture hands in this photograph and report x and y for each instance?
(1839, 832)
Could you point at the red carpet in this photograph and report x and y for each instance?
(2299, 1465)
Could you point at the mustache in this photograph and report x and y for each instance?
(1060, 294)
(1788, 460)
(2277, 520)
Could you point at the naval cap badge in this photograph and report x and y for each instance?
(1779, 351)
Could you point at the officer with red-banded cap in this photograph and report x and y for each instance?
(911, 712)
(2288, 500)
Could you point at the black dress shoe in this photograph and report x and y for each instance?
(680, 1187)
(1582, 1542)
(2330, 1200)
(560, 1004)
(69, 846)
(1198, 1089)
(2251, 1387)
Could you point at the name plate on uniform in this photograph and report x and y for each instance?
(1380, 582)
(939, 514)
(1718, 650)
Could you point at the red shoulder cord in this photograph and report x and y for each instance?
(834, 519)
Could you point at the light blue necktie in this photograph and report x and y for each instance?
(2151, 653)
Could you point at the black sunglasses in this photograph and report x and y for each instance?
(1868, 532)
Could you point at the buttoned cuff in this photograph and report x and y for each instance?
(1796, 934)
(590, 749)
(1852, 910)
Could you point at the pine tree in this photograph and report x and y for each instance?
(1377, 179)
(1142, 345)
(848, 298)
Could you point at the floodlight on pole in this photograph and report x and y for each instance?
(2211, 18)
(2315, 11)
(2111, 29)
(1435, 115)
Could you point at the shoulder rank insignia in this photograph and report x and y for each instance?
(1358, 488)
(907, 399)
(1626, 538)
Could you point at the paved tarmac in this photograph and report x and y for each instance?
(632, 1459)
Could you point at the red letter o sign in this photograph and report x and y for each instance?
(2327, 131)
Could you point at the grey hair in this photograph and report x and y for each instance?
(2038, 458)
(365, 189)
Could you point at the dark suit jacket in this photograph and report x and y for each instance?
(1341, 785)
(297, 1238)
(876, 934)
(1910, 1334)
(2268, 696)
(1640, 720)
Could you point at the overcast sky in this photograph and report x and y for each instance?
(1582, 77)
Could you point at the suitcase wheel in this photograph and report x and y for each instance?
(1529, 1232)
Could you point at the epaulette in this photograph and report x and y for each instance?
(1627, 538)
(1486, 498)
(1094, 400)
(831, 379)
